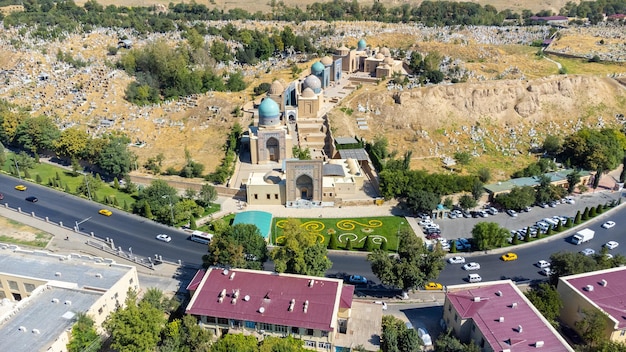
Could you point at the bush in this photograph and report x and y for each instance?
(592, 212)
(599, 209)
(585, 215)
(333, 243)
(453, 247)
(349, 245)
(578, 218)
(569, 223)
(369, 244)
(38, 179)
(383, 246)
(549, 232)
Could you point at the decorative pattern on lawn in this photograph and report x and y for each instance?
(316, 227)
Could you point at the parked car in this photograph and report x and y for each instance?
(432, 230)
(492, 210)
(483, 213)
(546, 271)
(1, 196)
(467, 214)
(426, 339)
(357, 279)
(527, 209)
(570, 200)
(471, 266)
(425, 222)
(452, 215)
(431, 226)
(542, 264)
(456, 260)
(512, 213)
(433, 236)
(543, 205)
(435, 286)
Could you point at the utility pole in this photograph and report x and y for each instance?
(171, 207)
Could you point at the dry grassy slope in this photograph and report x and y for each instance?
(263, 5)
(439, 118)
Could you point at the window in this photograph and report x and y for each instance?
(280, 328)
(473, 328)
(13, 285)
(324, 333)
(250, 324)
(268, 196)
(449, 307)
(256, 196)
(0, 283)
(131, 281)
(482, 342)
(100, 310)
(325, 345)
(308, 343)
(211, 319)
(330, 194)
(222, 321)
(309, 332)
(275, 195)
(622, 333)
(29, 287)
(456, 318)
(295, 330)
(324, 196)
(265, 326)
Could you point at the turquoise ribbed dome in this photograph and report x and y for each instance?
(269, 113)
(317, 68)
(362, 44)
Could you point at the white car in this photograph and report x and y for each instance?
(163, 237)
(543, 264)
(432, 225)
(471, 266)
(611, 244)
(457, 260)
(425, 222)
(588, 251)
(546, 271)
(512, 213)
(569, 200)
(608, 224)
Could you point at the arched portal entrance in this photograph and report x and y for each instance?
(272, 146)
(304, 184)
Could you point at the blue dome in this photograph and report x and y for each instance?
(317, 68)
(269, 112)
(312, 82)
(362, 44)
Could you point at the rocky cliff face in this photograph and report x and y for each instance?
(552, 97)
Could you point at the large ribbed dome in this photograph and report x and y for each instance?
(326, 61)
(362, 44)
(308, 93)
(276, 88)
(312, 82)
(269, 113)
(317, 68)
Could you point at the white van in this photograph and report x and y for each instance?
(544, 226)
(550, 221)
(474, 278)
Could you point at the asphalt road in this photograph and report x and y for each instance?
(127, 230)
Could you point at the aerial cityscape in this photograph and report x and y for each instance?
(327, 176)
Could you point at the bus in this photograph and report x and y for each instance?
(201, 237)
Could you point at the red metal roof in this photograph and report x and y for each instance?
(266, 297)
(497, 300)
(611, 298)
(346, 296)
(196, 280)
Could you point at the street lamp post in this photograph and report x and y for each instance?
(171, 208)
(87, 183)
(398, 237)
(17, 167)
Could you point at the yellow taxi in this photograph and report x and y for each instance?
(20, 187)
(507, 257)
(433, 286)
(105, 212)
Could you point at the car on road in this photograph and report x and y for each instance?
(512, 213)
(456, 260)
(433, 286)
(543, 264)
(163, 237)
(507, 257)
(32, 199)
(588, 252)
(471, 266)
(611, 244)
(21, 187)
(546, 271)
(105, 212)
(608, 224)
(357, 279)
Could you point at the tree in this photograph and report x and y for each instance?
(477, 189)
(446, 342)
(484, 174)
(240, 246)
(185, 335)
(593, 149)
(422, 201)
(349, 244)
(518, 198)
(488, 235)
(333, 243)
(552, 144)
(136, 327)
(235, 342)
(282, 344)
(462, 158)
(115, 159)
(72, 143)
(369, 244)
(466, 202)
(409, 340)
(235, 82)
(392, 329)
(207, 195)
(37, 134)
(300, 252)
(578, 218)
(570, 263)
(301, 153)
(573, 179)
(547, 300)
(622, 174)
(592, 326)
(84, 335)
(158, 195)
(413, 265)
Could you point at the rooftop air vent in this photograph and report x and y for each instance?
(311, 282)
(55, 300)
(519, 329)
(68, 303)
(499, 293)
(58, 273)
(261, 310)
(22, 328)
(603, 283)
(476, 299)
(232, 276)
(36, 331)
(291, 304)
(306, 305)
(589, 288)
(246, 298)
(539, 344)
(236, 293)
(225, 272)
(98, 275)
(222, 293)
(514, 305)
(501, 319)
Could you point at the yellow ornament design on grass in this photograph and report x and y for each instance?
(348, 224)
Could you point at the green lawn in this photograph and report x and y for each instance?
(356, 229)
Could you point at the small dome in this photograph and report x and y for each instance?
(269, 113)
(312, 82)
(379, 56)
(362, 44)
(343, 50)
(317, 67)
(273, 177)
(327, 61)
(388, 61)
(385, 51)
(308, 93)
(276, 88)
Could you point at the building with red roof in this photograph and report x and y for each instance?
(604, 291)
(314, 309)
(498, 317)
